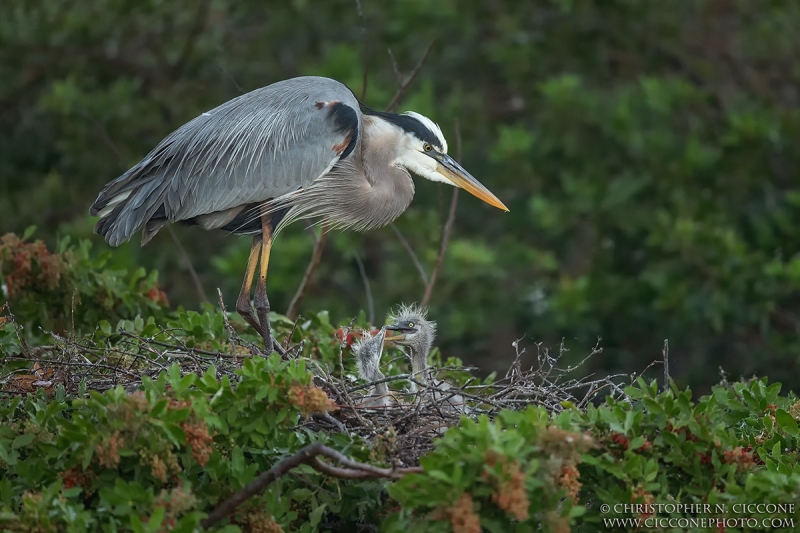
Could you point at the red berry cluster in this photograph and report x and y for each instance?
(463, 517)
(77, 477)
(619, 440)
(31, 265)
(570, 480)
(310, 400)
(108, 450)
(509, 494)
(741, 457)
(199, 440)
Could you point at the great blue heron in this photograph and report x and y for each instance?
(303, 148)
(412, 329)
(368, 350)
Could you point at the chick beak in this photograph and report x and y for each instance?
(399, 332)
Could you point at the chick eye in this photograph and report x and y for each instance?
(411, 324)
(427, 147)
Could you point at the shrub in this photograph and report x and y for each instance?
(71, 288)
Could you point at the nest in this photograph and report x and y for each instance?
(400, 433)
(405, 430)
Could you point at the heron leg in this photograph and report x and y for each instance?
(243, 305)
(260, 298)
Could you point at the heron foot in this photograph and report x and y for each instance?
(245, 310)
(262, 308)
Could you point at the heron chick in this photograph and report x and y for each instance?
(368, 350)
(412, 329)
(303, 148)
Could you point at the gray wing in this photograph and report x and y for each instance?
(258, 146)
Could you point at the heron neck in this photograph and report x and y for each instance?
(419, 362)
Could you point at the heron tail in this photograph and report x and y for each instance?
(128, 204)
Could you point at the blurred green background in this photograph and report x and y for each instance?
(648, 152)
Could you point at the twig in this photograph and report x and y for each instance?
(451, 216)
(232, 336)
(332, 421)
(367, 289)
(198, 24)
(188, 263)
(291, 334)
(398, 96)
(397, 75)
(175, 346)
(397, 377)
(366, 51)
(305, 283)
(308, 455)
(422, 274)
(665, 353)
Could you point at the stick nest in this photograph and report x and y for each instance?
(399, 433)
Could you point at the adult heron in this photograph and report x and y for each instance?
(303, 148)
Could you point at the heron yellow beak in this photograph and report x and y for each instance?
(450, 169)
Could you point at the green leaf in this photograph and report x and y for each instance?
(29, 231)
(22, 440)
(786, 422)
(174, 433)
(316, 515)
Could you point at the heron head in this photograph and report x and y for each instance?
(410, 327)
(423, 151)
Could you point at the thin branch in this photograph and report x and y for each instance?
(308, 455)
(665, 353)
(188, 264)
(368, 290)
(174, 346)
(305, 283)
(401, 91)
(199, 22)
(422, 274)
(366, 50)
(451, 216)
(397, 75)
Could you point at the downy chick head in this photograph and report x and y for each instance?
(410, 327)
(368, 350)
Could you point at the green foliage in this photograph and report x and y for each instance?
(738, 445)
(71, 288)
(162, 457)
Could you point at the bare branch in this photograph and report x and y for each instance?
(397, 75)
(368, 290)
(422, 274)
(451, 216)
(199, 22)
(401, 91)
(309, 456)
(188, 264)
(665, 353)
(313, 264)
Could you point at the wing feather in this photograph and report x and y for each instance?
(259, 146)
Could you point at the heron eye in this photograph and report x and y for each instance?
(427, 147)
(411, 324)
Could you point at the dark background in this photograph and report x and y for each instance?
(648, 152)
